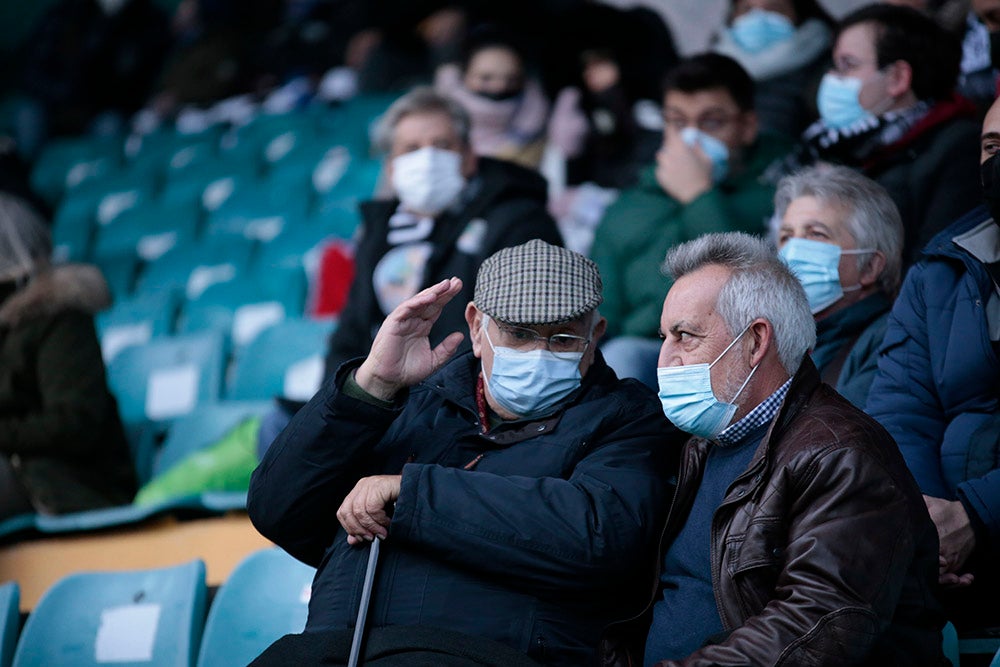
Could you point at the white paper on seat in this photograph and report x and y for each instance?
(126, 633)
(264, 229)
(153, 246)
(114, 204)
(252, 318)
(203, 277)
(117, 337)
(171, 391)
(217, 192)
(302, 379)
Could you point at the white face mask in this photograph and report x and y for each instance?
(427, 180)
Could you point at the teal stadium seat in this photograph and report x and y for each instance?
(264, 598)
(190, 270)
(242, 308)
(152, 617)
(66, 162)
(285, 359)
(167, 377)
(149, 230)
(136, 322)
(10, 620)
(260, 211)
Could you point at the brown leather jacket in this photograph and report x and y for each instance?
(825, 553)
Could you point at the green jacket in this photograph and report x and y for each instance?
(59, 423)
(645, 222)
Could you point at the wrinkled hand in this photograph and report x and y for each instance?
(684, 172)
(363, 513)
(401, 354)
(956, 537)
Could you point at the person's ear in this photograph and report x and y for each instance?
(469, 161)
(873, 270)
(474, 318)
(761, 335)
(750, 127)
(899, 78)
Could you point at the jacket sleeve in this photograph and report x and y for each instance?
(576, 533)
(903, 397)
(310, 468)
(73, 401)
(835, 594)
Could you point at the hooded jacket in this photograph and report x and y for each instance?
(59, 423)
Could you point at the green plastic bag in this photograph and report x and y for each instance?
(223, 466)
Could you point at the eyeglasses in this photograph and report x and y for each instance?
(519, 338)
(709, 123)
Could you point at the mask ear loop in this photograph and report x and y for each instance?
(752, 370)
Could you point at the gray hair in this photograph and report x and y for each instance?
(873, 220)
(25, 242)
(419, 100)
(761, 286)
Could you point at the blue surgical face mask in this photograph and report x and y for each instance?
(715, 150)
(688, 400)
(531, 384)
(759, 29)
(838, 103)
(817, 266)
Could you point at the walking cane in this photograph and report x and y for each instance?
(366, 596)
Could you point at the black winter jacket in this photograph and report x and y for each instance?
(534, 547)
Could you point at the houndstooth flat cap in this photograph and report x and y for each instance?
(537, 283)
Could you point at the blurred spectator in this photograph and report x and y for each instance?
(207, 61)
(841, 235)
(936, 393)
(450, 210)
(706, 179)
(506, 105)
(87, 66)
(607, 121)
(981, 53)
(784, 45)
(888, 108)
(62, 446)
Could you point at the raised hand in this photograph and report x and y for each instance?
(684, 172)
(401, 354)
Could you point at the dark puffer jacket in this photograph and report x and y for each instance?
(937, 390)
(59, 423)
(532, 548)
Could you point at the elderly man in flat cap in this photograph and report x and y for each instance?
(517, 487)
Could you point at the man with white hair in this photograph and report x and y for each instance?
(797, 535)
(841, 234)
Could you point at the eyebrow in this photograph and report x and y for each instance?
(990, 135)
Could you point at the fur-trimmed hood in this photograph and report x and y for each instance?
(58, 288)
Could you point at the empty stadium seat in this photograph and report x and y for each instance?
(149, 230)
(168, 377)
(136, 321)
(265, 597)
(285, 359)
(242, 308)
(189, 270)
(152, 617)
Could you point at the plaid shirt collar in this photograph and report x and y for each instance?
(760, 415)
